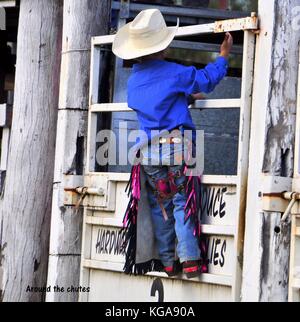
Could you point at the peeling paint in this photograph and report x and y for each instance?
(279, 149)
(282, 96)
(275, 266)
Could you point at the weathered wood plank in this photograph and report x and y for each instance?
(253, 222)
(71, 143)
(26, 207)
(266, 252)
(82, 20)
(280, 146)
(67, 279)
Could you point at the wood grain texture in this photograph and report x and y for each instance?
(67, 278)
(267, 242)
(82, 20)
(26, 206)
(280, 147)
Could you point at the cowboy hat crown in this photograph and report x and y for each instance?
(145, 35)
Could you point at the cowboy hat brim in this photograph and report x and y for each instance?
(125, 48)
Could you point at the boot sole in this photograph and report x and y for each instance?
(192, 274)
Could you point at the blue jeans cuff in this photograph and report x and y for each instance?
(189, 258)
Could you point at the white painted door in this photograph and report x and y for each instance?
(223, 203)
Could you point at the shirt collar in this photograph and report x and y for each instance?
(148, 63)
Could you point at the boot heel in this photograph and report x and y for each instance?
(191, 270)
(173, 270)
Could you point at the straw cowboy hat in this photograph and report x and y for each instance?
(146, 34)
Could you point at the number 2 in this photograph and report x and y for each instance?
(158, 286)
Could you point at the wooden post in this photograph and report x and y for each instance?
(266, 251)
(82, 20)
(26, 204)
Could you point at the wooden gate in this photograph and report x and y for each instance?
(224, 200)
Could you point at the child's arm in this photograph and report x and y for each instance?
(205, 80)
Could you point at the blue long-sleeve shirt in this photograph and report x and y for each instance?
(158, 91)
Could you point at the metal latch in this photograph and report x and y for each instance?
(98, 191)
(247, 23)
(84, 191)
(272, 187)
(287, 195)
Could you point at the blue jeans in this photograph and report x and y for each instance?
(166, 231)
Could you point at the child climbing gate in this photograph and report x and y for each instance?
(159, 92)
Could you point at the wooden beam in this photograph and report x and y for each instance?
(81, 20)
(253, 247)
(26, 206)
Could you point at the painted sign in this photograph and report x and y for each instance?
(107, 242)
(217, 208)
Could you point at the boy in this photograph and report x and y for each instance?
(159, 92)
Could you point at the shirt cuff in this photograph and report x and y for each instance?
(222, 61)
